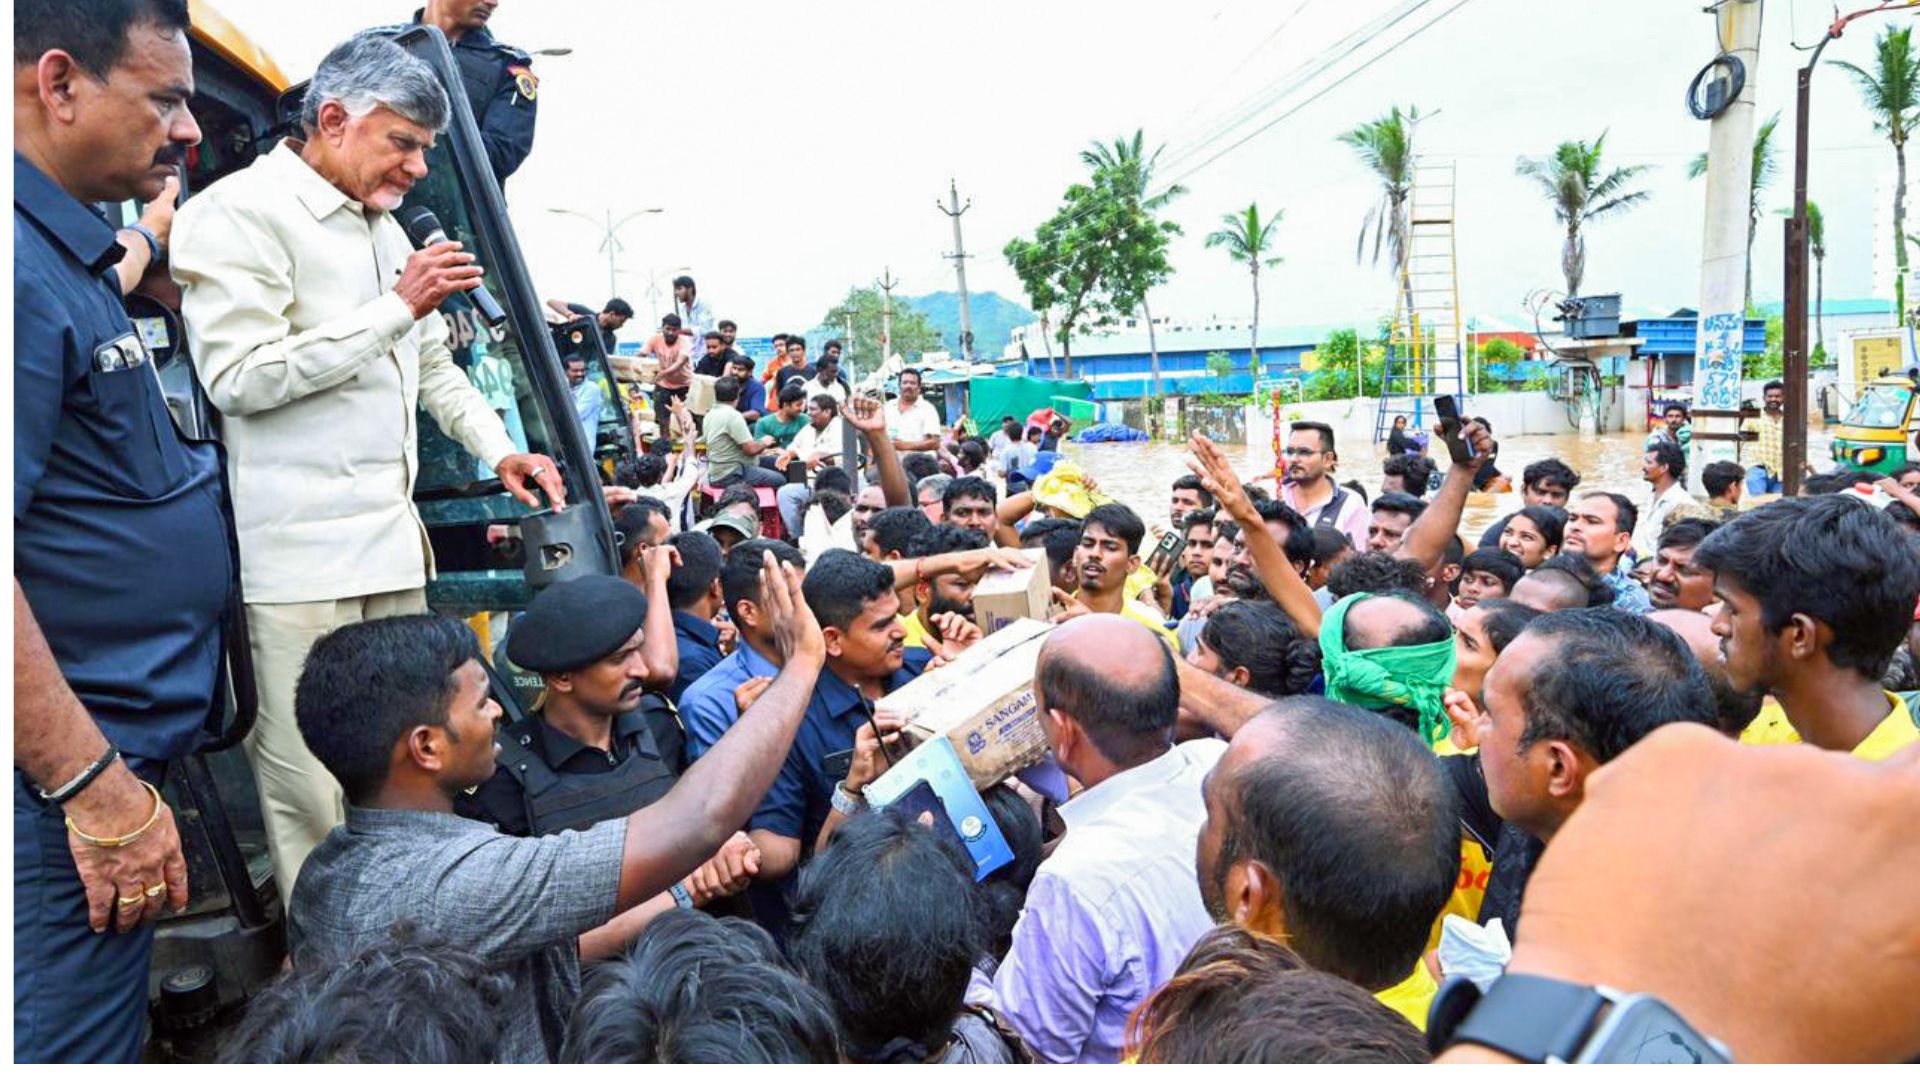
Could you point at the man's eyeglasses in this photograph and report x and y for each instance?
(1300, 451)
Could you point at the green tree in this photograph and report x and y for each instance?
(1385, 145)
(1247, 239)
(912, 333)
(1892, 94)
(1765, 168)
(1128, 169)
(1099, 253)
(1580, 192)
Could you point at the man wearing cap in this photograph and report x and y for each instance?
(599, 746)
(731, 525)
(610, 318)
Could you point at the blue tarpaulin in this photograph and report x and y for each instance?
(1110, 433)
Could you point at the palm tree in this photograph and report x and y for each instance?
(1892, 95)
(1572, 180)
(1385, 145)
(1128, 167)
(1247, 238)
(1765, 168)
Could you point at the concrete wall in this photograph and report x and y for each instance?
(1527, 412)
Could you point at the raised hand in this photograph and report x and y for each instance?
(863, 413)
(1217, 476)
(796, 633)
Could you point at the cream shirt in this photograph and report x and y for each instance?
(316, 366)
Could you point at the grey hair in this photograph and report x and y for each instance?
(368, 71)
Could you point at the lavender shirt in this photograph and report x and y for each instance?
(1112, 911)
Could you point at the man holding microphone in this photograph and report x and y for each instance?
(313, 324)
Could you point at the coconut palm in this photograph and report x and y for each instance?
(1817, 245)
(1247, 239)
(1581, 192)
(1765, 168)
(1385, 145)
(1892, 95)
(1129, 169)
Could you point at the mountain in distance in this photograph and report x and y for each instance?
(994, 319)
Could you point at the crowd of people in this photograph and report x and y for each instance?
(1311, 758)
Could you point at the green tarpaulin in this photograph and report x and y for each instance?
(994, 397)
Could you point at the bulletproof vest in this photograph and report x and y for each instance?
(556, 802)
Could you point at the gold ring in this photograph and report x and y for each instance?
(157, 890)
(129, 901)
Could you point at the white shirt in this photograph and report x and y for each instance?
(812, 440)
(1112, 912)
(913, 424)
(1646, 532)
(316, 366)
(833, 390)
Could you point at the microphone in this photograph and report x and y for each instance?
(423, 228)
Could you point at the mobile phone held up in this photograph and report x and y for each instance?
(1170, 545)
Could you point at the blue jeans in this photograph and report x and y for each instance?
(1762, 482)
(78, 996)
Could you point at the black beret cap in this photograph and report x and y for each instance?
(573, 624)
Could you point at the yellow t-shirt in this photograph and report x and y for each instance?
(1151, 619)
(1469, 888)
(1412, 997)
(1897, 730)
(917, 635)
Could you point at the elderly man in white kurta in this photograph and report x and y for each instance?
(312, 322)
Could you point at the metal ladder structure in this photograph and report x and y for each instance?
(1426, 347)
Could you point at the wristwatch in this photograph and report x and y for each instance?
(1541, 1020)
(681, 898)
(845, 801)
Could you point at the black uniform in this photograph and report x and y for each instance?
(547, 782)
(502, 91)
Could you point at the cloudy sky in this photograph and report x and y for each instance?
(798, 149)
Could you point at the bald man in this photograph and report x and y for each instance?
(1116, 907)
(1735, 709)
(1330, 827)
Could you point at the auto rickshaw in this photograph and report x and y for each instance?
(1877, 433)
(209, 958)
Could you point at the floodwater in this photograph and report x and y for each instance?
(1142, 474)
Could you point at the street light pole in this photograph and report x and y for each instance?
(609, 239)
(1793, 366)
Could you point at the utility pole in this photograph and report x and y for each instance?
(1793, 346)
(609, 235)
(1719, 350)
(953, 210)
(887, 285)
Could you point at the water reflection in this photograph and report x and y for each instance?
(1141, 475)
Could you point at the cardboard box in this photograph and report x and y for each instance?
(1004, 597)
(981, 703)
(700, 394)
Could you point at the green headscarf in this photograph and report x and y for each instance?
(1412, 675)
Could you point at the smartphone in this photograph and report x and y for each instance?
(1170, 545)
(1448, 410)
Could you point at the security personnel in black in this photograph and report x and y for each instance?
(501, 87)
(600, 745)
